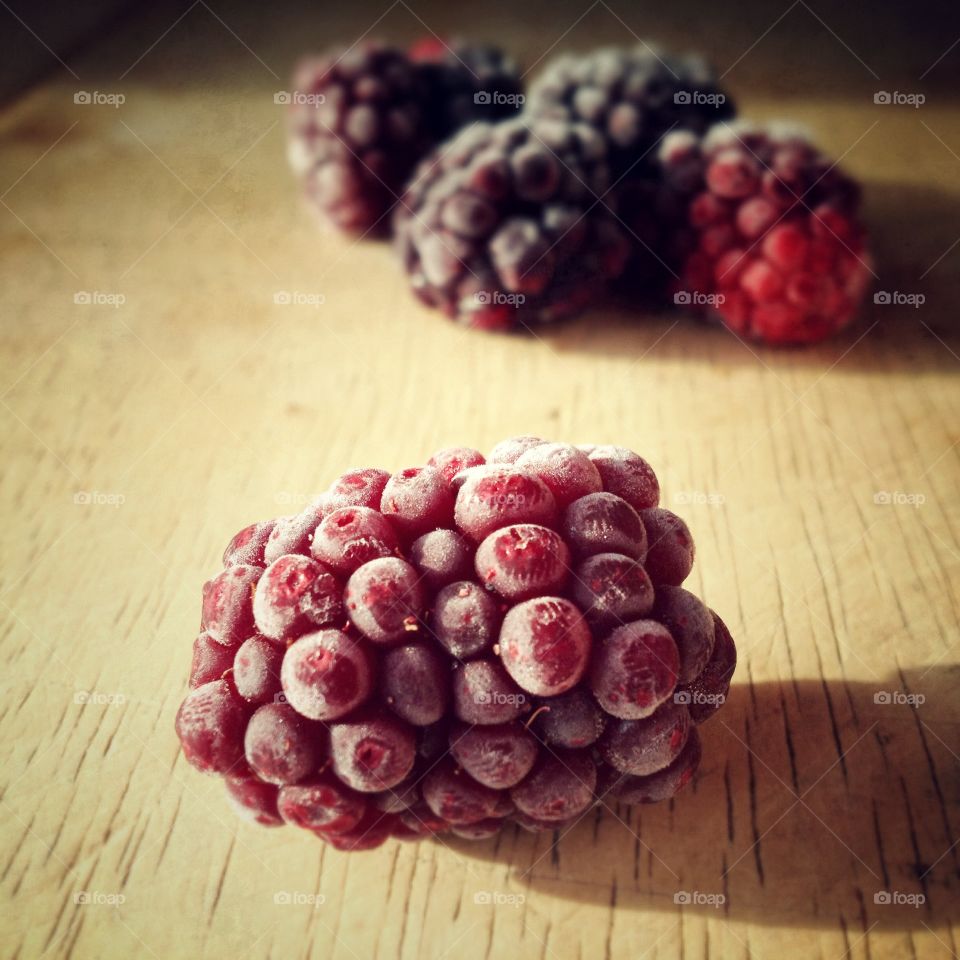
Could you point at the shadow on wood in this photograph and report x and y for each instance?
(816, 802)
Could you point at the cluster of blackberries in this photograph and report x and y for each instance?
(455, 647)
(618, 169)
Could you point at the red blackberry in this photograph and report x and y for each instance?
(501, 226)
(466, 82)
(772, 240)
(356, 130)
(440, 653)
(632, 97)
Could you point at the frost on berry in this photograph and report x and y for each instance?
(414, 683)
(466, 619)
(560, 786)
(441, 557)
(416, 500)
(372, 753)
(384, 599)
(247, 546)
(456, 797)
(493, 498)
(691, 625)
(635, 669)
(460, 646)
(326, 674)
(604, 523)
(567, 471)
(281, 746)
(484, 693)
(210, 660)
(498, 756)
(210, 725)
(642, 747)
(611, 590)
(670, 548)
(352, 536)
(627, 475)
(295, 594)
(545, 645)
(523, 561)
(228, 604)
(256, 669)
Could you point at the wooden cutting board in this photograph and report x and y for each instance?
(142, 428)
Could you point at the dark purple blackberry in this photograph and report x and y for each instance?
(632, 97)
(466, 82)
(357, 129)
(503, 225)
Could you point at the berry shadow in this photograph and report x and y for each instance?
(913, 228)
(817, 803)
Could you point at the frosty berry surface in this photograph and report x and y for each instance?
(457, 646)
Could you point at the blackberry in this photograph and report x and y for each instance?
(771, 237)
(632, 97)
(466, 82)
(357, 128)
(502, 226)
(355, 690)
(362, 117)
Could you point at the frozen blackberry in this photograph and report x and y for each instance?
(357, 128)
(501, 226)
(771, 240)
(416, 654)
(466, 82)
(632, 97)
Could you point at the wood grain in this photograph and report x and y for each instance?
(199, 404)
